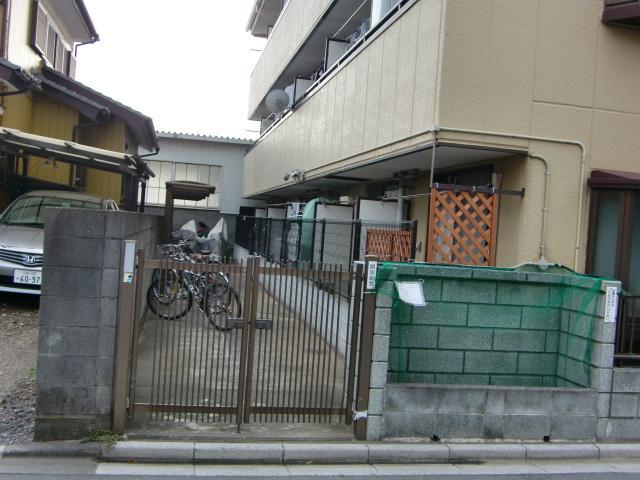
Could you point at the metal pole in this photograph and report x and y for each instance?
(324, 226)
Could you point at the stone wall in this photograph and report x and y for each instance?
(78, 312)
(623, 422)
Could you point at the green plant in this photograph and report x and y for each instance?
(106, 437)
(32, 373)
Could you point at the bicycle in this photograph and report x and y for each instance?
(177, 290)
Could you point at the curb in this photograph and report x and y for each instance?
(323, 453)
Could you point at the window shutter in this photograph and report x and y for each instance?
(39, 29)
(60, 61)
(71, 65)
(50, 52)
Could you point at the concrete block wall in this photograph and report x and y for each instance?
(606, 410)
(492, 327)
(78, 310)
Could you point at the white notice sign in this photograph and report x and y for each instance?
(611, 305)
(371, 275)
(411, 293)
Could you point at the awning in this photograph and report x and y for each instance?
(614, 179)
(16, 142)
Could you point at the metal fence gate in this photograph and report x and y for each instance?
(244, 341)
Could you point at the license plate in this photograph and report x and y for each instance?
(30, 277)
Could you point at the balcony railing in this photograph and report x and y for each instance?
(627, 352)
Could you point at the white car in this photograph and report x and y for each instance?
(22, 235)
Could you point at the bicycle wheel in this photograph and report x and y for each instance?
(169, 300)
(220, 309)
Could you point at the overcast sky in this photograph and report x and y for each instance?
(186, 63)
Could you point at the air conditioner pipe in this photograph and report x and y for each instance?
(542, 262)
(583, 163)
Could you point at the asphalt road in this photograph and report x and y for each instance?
(27, 468)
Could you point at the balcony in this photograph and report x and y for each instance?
(344, 26)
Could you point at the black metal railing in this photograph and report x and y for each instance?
(628, 332)
(289, 241)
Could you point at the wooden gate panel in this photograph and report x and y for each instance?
(462, 227)
(389, 245)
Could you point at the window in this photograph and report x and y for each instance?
(614, 236)
(46, 40)
(172, 171)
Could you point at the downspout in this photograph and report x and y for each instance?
(6, 24)
(143, 185)
(542, 262)
(583, 163)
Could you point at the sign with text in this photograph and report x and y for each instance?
(611, 305)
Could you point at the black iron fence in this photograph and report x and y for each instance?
(341, 242)
(628, 332)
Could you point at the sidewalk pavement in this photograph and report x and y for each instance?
(323, 452)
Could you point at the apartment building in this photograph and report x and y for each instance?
(55, 132)
(506, 128)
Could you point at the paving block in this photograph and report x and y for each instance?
(441, 313)
(411, 398)
(602, 354)
(374, 427)
(526, 427)
(445, 271)
(408, 424)
(626, 380)
(493, 427)
(66, 399)
(485, 273)
(503, 316)
(523, 294)
(462, 400)
(581, 402)
(459, 425)
(78, 341)
(454, 338)
(537, 363)
(408, 453)
(414, 336)
(519, 340)
(561, 451)
(490, 362)
(482, 452)
(148, 450)
(466, 291)
(573, 427)
(376, 401)
(66, 370)
(624, 405)
(528, 401)
(382, 323)
(257, 453)
(380, 352)
(435, 361)
(378, 374)
(541, 318)
(517, 380)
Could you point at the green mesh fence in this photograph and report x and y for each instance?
(490, 326)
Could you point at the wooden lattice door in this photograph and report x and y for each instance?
(388, 245)
(462, 227)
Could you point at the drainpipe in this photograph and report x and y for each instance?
(542, 262)
(400, 207)
(583, 163)
(4, 42)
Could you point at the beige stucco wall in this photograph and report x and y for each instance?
(19, 49)
(385, 94)
(293, 27)
(544, 68)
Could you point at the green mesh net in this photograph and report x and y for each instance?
(491, 326)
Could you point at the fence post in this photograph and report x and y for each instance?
(283, 240)
(356, 239)
(137, 327)
(414, 239)
(366, 351)
(124, 323)
(324, 226)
